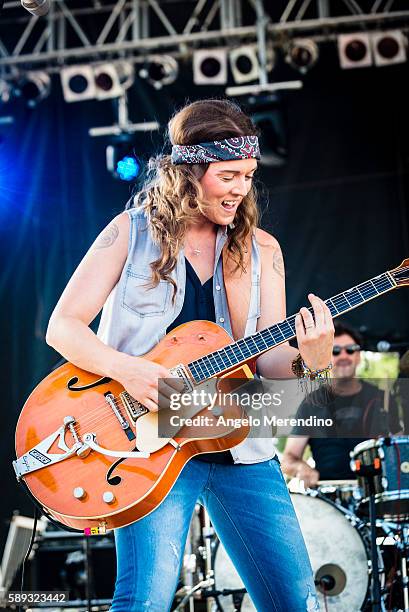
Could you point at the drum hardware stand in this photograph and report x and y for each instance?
(203, 584)
(189, 562)
(208, 533)
(404, 545)
(368, 472)
(237, 596)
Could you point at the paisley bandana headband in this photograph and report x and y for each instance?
(242, 147)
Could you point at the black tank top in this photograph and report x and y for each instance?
(199, 304)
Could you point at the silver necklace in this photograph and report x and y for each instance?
(195, 251)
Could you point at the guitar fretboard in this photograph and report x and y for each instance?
(252, 346)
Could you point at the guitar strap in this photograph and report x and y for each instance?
(237, 283)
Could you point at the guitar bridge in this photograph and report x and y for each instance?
(134, 409)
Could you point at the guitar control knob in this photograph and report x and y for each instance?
(79, 493)
(108, 497)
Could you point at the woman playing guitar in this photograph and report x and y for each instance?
(163, 262)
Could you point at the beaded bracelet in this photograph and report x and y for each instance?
(315, 374)
(301, 370)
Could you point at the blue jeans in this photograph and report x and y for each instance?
(252, 513)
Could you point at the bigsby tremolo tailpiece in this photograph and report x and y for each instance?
(38, 457)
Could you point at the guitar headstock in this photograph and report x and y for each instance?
(401, 273)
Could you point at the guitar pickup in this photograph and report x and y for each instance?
(181, 372)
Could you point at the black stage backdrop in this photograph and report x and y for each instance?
(338, 208)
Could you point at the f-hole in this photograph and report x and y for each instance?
(73, 381)
(115, 480)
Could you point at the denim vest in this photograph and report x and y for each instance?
(134, 319)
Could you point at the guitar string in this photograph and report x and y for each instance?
(94, 416)
(118, 402)
(216, 359)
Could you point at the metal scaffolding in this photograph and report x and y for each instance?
(95, 30)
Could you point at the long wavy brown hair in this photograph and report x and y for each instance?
(172, 197)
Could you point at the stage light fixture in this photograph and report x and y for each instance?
(112, 80)
(128, 168)
(78, 83)
(99, 81)
(354, 50)
(121, 159)
(267, 114)
(244, 64)
(302, 54)
(38, 8)
(6, 91)
(160, 70)
(389, 47)
(33, 87)
(210, 67)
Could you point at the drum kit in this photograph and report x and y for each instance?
(356, 533)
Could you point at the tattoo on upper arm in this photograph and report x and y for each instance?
(108, 238)
(278, 263)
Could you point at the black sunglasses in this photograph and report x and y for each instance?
(350, 349)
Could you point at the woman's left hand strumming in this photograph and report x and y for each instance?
(315, 334)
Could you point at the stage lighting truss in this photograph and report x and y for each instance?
(389, 47)
(112, 30)
(210, 66)
(302, 54)
(99, 81)
(160, 70)
(355, 50)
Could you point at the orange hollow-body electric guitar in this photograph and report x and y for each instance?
(91, 455)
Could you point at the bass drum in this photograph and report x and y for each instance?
(338, 546)
(339, 549)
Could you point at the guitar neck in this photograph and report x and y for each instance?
(255, 345)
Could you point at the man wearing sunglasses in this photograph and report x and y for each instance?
(356, 408)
